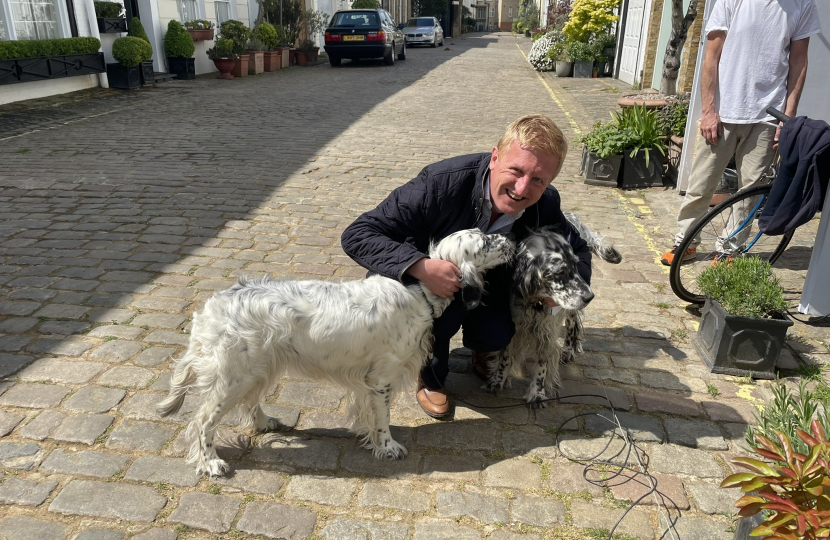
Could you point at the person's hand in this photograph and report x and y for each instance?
(441, 277)
(711, 127)
(777, 134)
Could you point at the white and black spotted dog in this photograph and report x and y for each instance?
(602, 248)
(370, 336)
(546, 266)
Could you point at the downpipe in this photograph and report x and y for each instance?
(93, 32)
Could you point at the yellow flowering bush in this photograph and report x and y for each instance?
(589, 18)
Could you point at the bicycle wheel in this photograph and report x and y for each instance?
(729, 230)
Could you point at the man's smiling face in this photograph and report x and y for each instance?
(519, 176)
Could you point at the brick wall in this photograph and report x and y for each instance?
(687, 67)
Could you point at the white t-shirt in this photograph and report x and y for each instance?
(754, 64)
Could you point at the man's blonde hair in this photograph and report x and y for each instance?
(538, 132)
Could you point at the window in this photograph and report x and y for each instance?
(188, 10)
(510, 12)
(223, 12)
(33, 19)
(480, 12)
(492, 12)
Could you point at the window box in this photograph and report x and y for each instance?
(123, 77)
(112, 25)
(201, 35)
(41, 68)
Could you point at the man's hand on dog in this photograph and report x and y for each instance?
(441, 277)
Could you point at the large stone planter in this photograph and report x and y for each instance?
(41, 68)
(583, 69)
(564, 69)
(240, 67)
(256, 62)
(272, 61)
(639, 174)
(601, 172)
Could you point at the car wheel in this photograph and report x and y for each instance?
(334, 60)
(389, 58)
(402, 56)
(434, 42)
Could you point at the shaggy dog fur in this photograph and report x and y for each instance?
(370, 336)
(546, 266)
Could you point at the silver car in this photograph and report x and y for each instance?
(423, 31)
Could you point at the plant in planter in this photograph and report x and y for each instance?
(255, 49)
(315, 23)
(148, 75)
(41, 59)
(561, 56)
(303, 52)
(540, 56)
(603, 47)
(582, 56)
(268, 34)
(130, 53)
(179, 47)
(603, 153)
(110, 17)
(790, 489)
(640, 166)
(200, 29)
(283, 46)
(223, 56)
(743, 326)
(671, 120)
(238, 34)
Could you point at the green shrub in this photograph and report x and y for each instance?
(222, 48)
(268, 35)
(109, 10)
(607, 140)
(643, 123)
(237, 33)
(580, 52)
(283, 37)
(32, 48)
(177, 41)
(131, 51)
(255, 44)
(365, 4)
(137, 31)
(744, 286)
(671, 118)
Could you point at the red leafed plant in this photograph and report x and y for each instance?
(793, 490)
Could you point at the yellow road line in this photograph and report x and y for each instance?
(556, 99)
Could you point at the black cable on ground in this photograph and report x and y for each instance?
(594, 463)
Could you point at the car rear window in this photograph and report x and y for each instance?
(360, 19)
(420, 22)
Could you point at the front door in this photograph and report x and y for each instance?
(630, 57)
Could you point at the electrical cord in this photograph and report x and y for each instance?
(596, 465)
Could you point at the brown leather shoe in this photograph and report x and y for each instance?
(434, 402)
(482, 361)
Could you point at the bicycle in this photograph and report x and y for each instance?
(724, 233)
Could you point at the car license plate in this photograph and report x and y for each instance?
(354, 38)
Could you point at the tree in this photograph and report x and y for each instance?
(590, 18)
(558, 13)
(365, 4)
(429, 8)
(679, 30)
(286, 13)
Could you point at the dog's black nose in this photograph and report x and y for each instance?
(588, 296)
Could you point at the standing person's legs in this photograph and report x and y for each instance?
(753, 156)
(707, 169)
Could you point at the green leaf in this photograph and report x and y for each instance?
(755, 465)
(737, 479)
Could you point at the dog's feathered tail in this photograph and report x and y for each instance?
(597, 243)
(184, 376)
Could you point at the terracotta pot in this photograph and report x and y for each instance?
(201, 35)
(628, 100)
(313, 54)
(240, 67)
(302, 58)
(256, 64)
(292, 56)
(224, 65)
(272, 61)
(283, 51)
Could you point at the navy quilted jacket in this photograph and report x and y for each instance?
(444, 198)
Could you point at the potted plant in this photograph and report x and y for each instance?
(283, 46)
(238, 34)
(743, 325)
(643, 159)
(603, 154)
(42, 59)
(109, 17)
(560, 55)
(148, 74)
(179, 47)
(583, 59)
(255, 49)
(130, 53)
(315, 23)
(223, 57)
(671, 120)
(790, 488)
(303, 52)
(200, 29)
(272, 57)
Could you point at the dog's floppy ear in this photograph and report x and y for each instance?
(526, 280)
(472, 287)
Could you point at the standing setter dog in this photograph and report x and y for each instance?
(370, 336)
(546, 266)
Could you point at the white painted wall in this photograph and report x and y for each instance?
(39, 89)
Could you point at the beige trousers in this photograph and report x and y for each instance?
(751, 144)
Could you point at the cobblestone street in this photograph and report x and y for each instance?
(121, 213)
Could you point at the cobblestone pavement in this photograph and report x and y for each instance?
(123, 212)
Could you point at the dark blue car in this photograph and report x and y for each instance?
(364, 33)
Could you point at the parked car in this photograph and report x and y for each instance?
(423, 31)
(364, 33)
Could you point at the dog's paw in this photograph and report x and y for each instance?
(537, 403)
(267, 423)
(214, 467)
(391, 449)
(566, 357)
